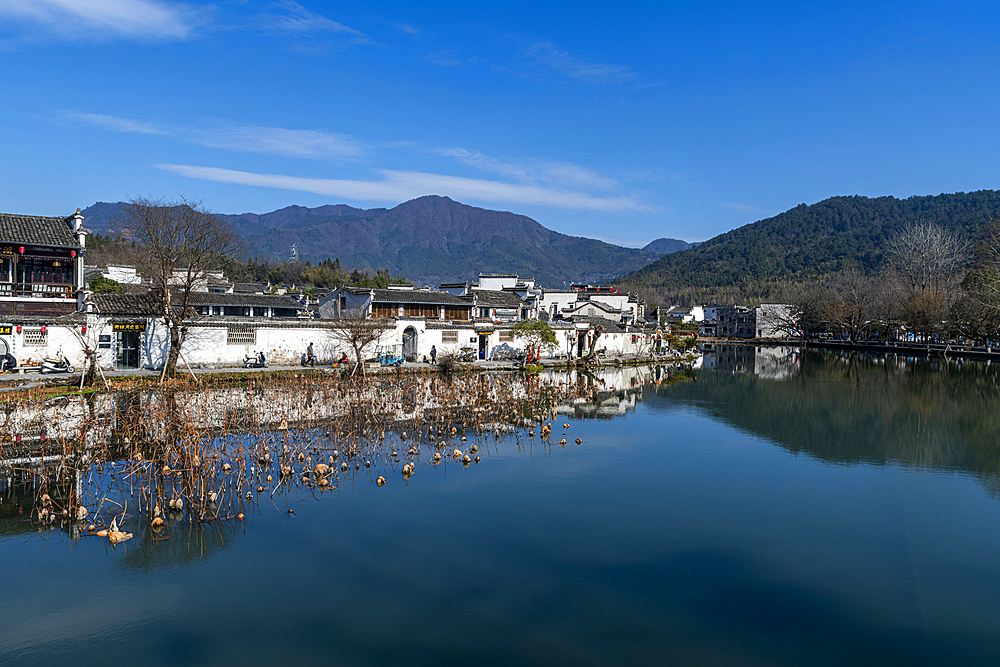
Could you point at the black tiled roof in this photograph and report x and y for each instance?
(610, 326)
(450, 324)
(233, 299)
(37, 230)
(125, 304)
(412, 296)
(252, 288)
(580, 305)
(498, 299)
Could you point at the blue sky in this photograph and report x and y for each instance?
(620, 122)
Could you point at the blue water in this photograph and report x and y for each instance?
(690, 531)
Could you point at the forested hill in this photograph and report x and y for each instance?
(808, 241)
(428, 240)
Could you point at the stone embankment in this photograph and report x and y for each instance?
(14, 382)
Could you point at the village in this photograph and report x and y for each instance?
(49, 311)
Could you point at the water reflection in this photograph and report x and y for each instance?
(776, 362)
(853, 408)
(683, 533)
(221, 452)
(148, 470)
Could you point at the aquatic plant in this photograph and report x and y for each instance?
(145, 460)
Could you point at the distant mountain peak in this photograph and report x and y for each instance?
(666, 246)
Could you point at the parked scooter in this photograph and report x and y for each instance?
(255, 361)
(57, 364)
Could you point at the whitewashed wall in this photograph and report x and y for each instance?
(206, 345)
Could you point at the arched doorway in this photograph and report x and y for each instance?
(410, 344)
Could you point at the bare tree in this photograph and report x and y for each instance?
(976, 314)
(591, 339)
(926, 261)
(927, 257)
(358, 332)
(808, 315)
(853, 309)
(181, 241)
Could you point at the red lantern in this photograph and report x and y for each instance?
(17, 438)
(19, 328)
(72, 253)
(21, 250)
(83, 329)
(44, 328)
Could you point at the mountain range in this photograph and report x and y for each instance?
(432, 239)
(429, 240)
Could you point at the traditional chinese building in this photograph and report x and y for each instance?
(41, 264)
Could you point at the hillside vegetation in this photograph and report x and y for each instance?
(764, 258)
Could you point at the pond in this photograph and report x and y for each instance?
(772, 507)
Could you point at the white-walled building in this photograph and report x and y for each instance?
(125, 275)
(685, 314)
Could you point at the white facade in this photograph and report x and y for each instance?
(125, 275)
(555, 301)
(497, 281)
(685, 314)
(775, 320)
(595, 309)
(218, 344)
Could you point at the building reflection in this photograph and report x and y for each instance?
(775, 362)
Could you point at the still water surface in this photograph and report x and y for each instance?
(783, 509)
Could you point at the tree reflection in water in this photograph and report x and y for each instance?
(852, 407)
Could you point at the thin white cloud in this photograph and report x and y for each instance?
(137, 19)
(566, 64)
(447, 59)
(113, 123)
(291, 17)
(282, 141)
(397, 186)
(533, 171)
(276, 141)
(525, 181)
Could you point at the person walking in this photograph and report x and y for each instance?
(434, 355)
(310, 356)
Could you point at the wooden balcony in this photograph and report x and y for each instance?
(36, 290)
